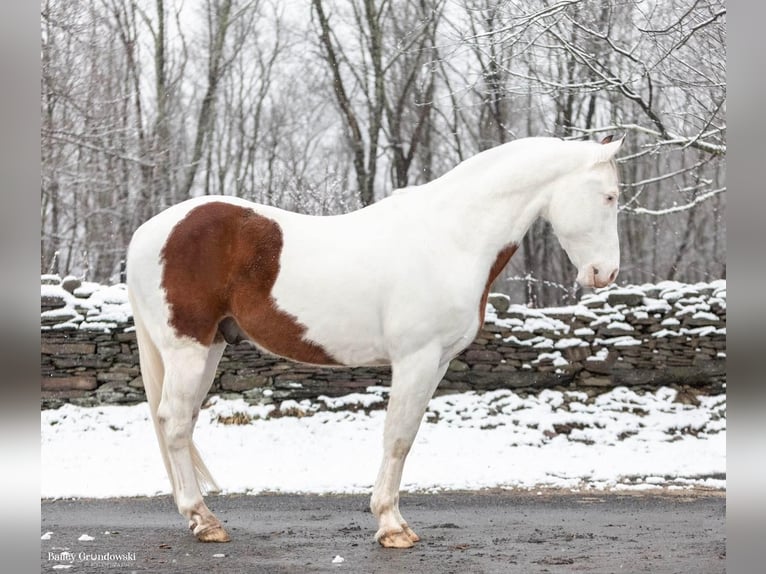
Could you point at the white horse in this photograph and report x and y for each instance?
(402, 282)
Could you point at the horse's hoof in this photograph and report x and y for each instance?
(410, 533)
(212, 534)
(398, 539)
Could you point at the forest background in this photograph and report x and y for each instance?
(325, 106)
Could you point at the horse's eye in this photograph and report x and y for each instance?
(611, 198)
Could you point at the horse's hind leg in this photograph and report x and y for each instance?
(189, 372)
(413, 382)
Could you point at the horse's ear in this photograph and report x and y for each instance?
(608, 148)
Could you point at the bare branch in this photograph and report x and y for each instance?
(668, 138)
(676, 208)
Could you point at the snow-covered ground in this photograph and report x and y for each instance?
(618, 440)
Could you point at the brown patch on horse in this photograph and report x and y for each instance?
(500, 261)
(220, 264)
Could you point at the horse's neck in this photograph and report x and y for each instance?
(491, 200)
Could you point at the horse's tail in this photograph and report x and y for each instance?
(153, 374)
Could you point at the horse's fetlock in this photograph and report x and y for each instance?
(381, 504)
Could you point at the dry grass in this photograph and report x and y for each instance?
(237, 418)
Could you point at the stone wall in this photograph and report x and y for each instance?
(665, 334)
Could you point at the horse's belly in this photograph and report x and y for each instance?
(352, 338)
(318, 335)
(339, 356)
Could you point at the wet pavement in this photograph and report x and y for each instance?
(462, 532)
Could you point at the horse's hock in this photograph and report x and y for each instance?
(670, 334)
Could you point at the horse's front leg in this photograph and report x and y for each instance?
(413, 382)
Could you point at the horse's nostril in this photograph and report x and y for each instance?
(613, 276)
(595, 271)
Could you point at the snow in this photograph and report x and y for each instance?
(86, 289)
(61, 312)
(700, 331)
(555, 439)
(47, 290)
(556, 357)
(621, 341)
(620, 326)
(601, 355)
(105, 307)
(662, 333)
(542, 323)
(542, 343)
(705, 316)
(568, 342)
(692, 308)
(608, 319)
(656, 306)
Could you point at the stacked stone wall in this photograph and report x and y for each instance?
(669, 334)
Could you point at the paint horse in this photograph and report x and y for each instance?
(402, 282)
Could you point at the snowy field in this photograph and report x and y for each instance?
(618, 440)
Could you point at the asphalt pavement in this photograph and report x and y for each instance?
(462, 532)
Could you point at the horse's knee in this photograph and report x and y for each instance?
(399, 448)
(176, 427)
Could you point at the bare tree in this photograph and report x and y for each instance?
(655, 72)
(392, 73)
(410, 82)
(219, 17)
(145, 102)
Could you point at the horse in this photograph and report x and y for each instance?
(402, 282)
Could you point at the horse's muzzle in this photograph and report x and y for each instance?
(597, 275)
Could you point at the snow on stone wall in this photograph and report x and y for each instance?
(651, 335)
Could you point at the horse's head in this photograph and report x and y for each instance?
(583, 213)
